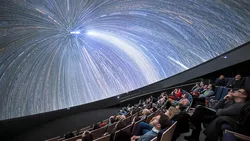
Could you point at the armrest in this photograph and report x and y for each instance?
(238, 135)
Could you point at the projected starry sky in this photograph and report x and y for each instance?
(61, 53)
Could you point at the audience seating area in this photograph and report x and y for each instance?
(134, 115)
(110, 132)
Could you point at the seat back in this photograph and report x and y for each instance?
(85, 129)
(218, 93)
(74, 138)
(116, 134)
(103, 138)
(226, 80)
(125, 129)
(111, 128)
(98, 132)
(224, 93)
(149, 117)
(53, 139)
(157, 112)
(128, 128)
(167, 135)
(135, 126)
(154, 139)
(127, 120)
(229, 81)
(247, 83)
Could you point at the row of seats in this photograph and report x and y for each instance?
(245, 82)
(130, 128)
(221, 92)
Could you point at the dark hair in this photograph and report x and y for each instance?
(164, 121)
(182, 107)
(88, 136)
(112, 120)
(69, 135)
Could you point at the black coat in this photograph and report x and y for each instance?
(182, 125)
(214, 130)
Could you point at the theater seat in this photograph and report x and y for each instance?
(74, 138)
(98, 132)
(135, 126)
(218, 93)
(103, 138)
(224, 92)
(111, 128)
(229, 82)
(167, 134)
(247, 83)
(149, 117)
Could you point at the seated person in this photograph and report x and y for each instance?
(161, 101)
(176, 94)
(148, 100)
(201, 99)
(162, 95)
(209, 92)
(220, 81)
(215, 129)
(171, 112)
(154, 108)
(86, 136)
(146, 132)
(183, 102)
(197, 87)
(145, 113)
(201, 90)
(229, 106)
(236, 83)
(112, 119)
(69, 135)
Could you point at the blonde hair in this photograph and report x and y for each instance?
(173, 111)
(145, 112)
(121, 117)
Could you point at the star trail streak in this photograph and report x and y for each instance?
(56, 54)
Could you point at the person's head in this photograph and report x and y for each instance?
(120, 117)
(201, 84)
(185, 102)
(184, 96)
(87, 136)
(163, 93)
(145, 112)
(238, 77)
(161, 121)
(112, 119)
(180, 107)
(210, 87)
(240, 95)
(205, 87)
(172, 111)
(221, 77)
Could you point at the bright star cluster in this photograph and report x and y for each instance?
(56, 54)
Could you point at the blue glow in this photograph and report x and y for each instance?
(75, 32)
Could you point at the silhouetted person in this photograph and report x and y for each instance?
(229, 106)
(220, 81)
(237, 82)
(86, 136)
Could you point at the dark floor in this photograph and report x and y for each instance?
(66, 124)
